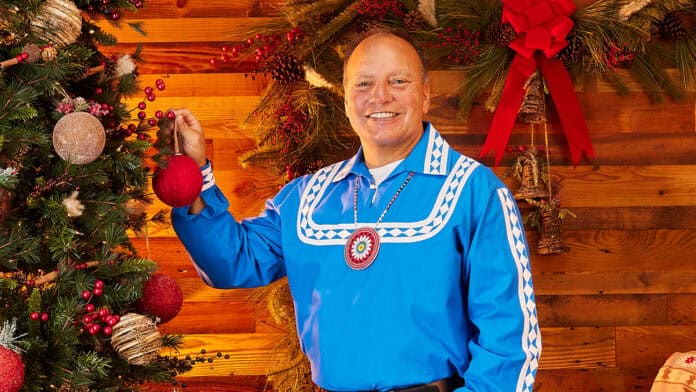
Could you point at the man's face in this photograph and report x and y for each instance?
(385, 94)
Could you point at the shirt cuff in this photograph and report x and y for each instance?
(208, 178)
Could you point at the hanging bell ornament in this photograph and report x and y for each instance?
(533, 109)
(550, 235)
(532, 187)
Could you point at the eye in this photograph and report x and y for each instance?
(362, 84)
(400, 81)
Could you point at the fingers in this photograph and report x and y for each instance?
(189, 135)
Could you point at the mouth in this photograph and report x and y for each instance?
(379, 115)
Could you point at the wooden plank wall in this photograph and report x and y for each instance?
(611, 310)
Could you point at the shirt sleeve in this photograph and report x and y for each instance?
(227, 253)
(505, 344)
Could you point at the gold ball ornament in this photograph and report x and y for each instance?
(58, 22)
(136, 339)
(79, 138)
(8, 36)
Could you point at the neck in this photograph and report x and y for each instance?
(378, 156)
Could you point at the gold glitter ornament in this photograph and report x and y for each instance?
(136, 339)
(79, 138)
(58, 22)
(8, 36)
(49, 54)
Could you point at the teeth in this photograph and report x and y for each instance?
(382, 115)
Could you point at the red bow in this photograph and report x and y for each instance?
(541, 27)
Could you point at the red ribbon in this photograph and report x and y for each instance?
(541, 27)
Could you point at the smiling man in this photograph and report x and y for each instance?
(407, 263)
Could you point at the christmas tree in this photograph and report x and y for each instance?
(73, 185)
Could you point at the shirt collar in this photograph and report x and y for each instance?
(429, 156)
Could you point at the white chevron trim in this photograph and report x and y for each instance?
(310, 232)
(531, 337)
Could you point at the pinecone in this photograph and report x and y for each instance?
(671, 27)
(33, 51)
(286, 69)
(501, 34)
(413, 20)
(572, 52)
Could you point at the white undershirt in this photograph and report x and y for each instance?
(379, 174)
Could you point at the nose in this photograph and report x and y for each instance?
(381, 93)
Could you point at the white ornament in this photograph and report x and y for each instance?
(73, 206)
(631, 8)
(315, 79)
(427, 11)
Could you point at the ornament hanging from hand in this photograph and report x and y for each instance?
(180, 182)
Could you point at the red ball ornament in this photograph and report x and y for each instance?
(179, 183)
(162, 298)
(11, 371)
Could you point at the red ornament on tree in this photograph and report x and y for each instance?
(178, 184)
(11, 371)
(162, 298)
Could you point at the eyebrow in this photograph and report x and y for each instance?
(391, 75)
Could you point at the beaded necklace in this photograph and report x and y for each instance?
(363, 245)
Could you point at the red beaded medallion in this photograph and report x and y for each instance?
(362, 248)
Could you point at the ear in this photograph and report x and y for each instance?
(426, 96)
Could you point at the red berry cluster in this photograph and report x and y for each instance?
(106, 8)
(618, 57)
(291, 127)
(36, 316)
(50, 184)
(379, 9)
(297, 169)
(142, 115)
(264, 48)
(95, 320)
(464, 44)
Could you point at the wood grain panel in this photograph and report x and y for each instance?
(680, 309)
(205, 84)
(206, 9)
(181, 58)
(212, 317)
(216, 384)
(585, 283)
(619, 251)
(249, 353)
(586, 348)
(632, 218)
(580, 380)
(601, 310)
(649, 347)
(159, 30)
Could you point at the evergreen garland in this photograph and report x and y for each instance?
(324, 28)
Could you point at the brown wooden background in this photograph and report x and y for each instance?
(611, 310)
